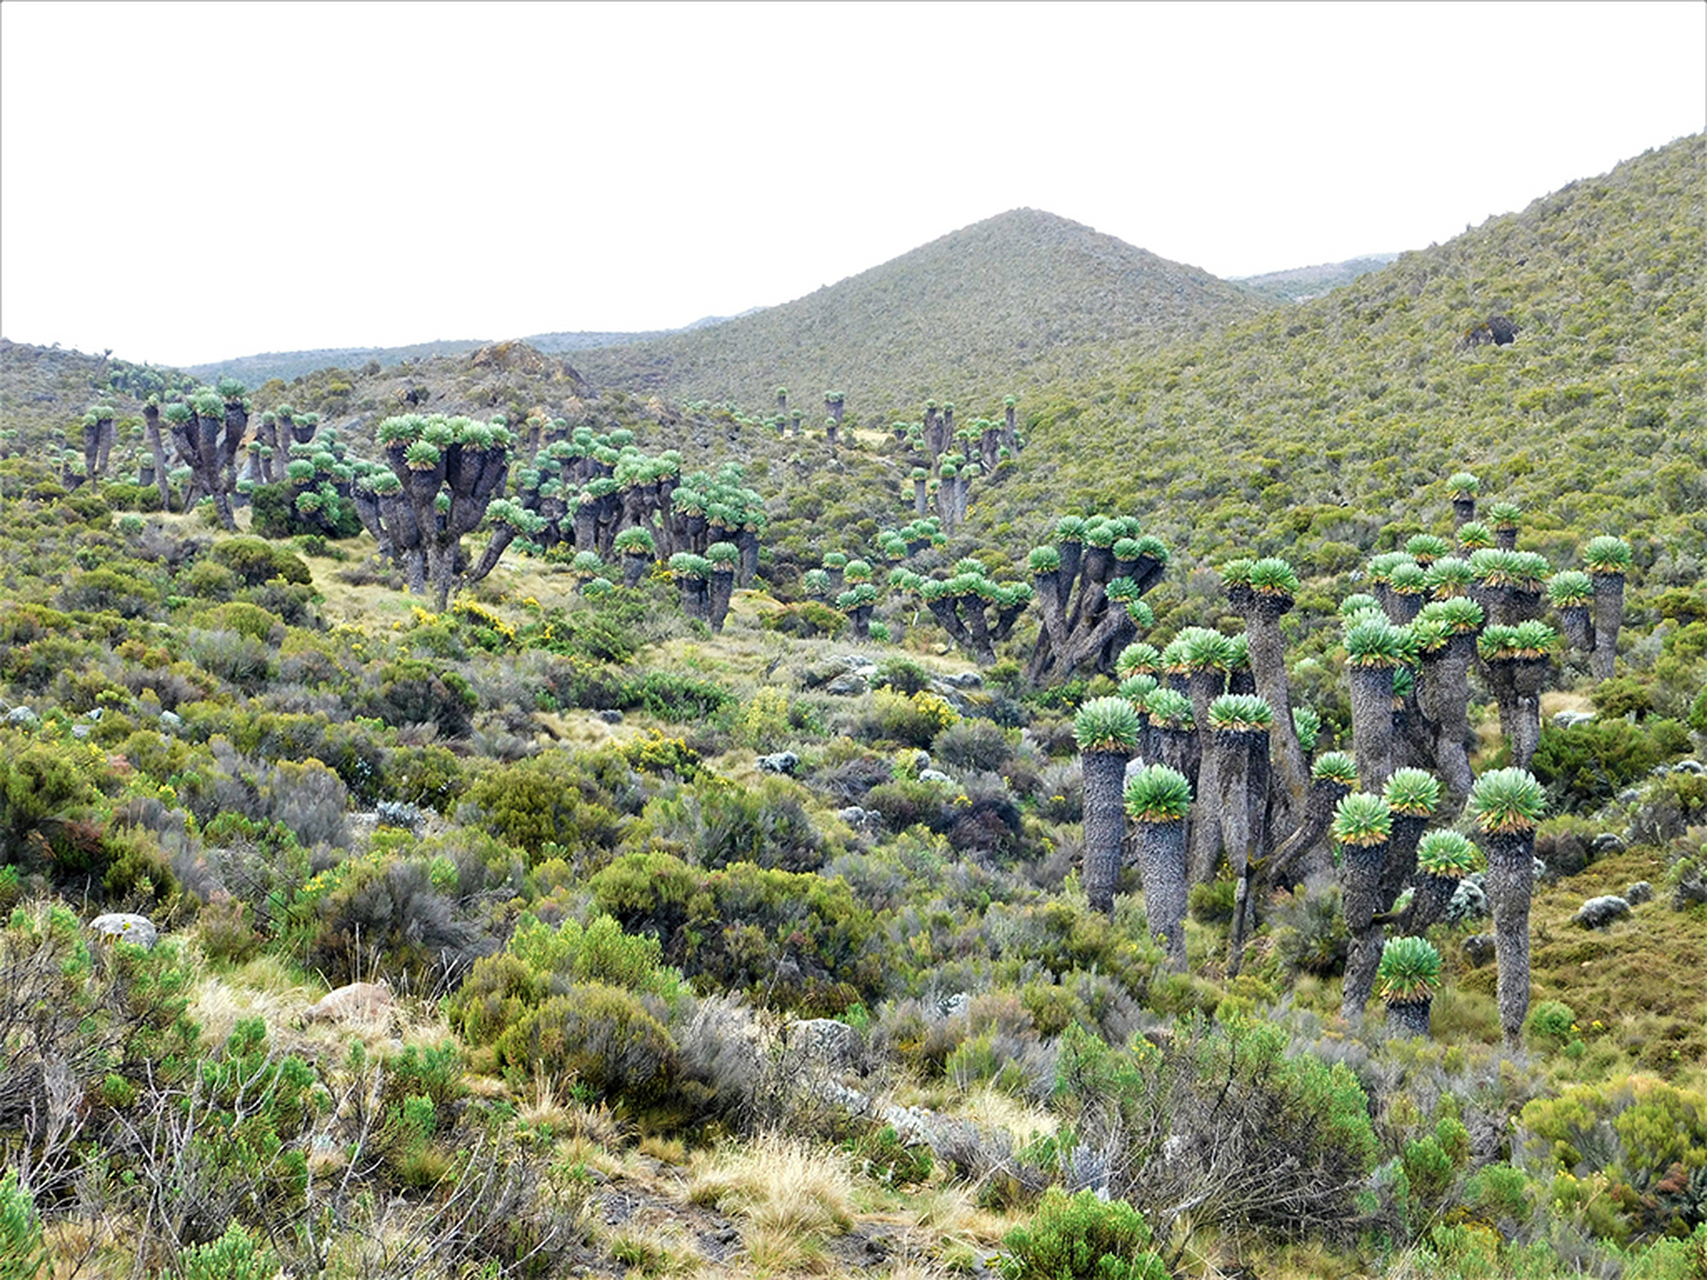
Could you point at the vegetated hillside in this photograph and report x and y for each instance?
(287, 365)
(1300, 284)
(772, 951)
(257, 369)
(991, 307)
(1309, 431)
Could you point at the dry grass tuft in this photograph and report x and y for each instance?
(779, 1185)
(655, 1249)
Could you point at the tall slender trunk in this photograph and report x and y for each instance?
(1463, 511)
(1104, 825)
(1161, 862)
(1510, 883)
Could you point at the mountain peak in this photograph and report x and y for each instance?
(1003, 296)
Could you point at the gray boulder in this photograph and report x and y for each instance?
(138, 930)
(22, 716)
(861, 819)
(1608, 842)
(1638, 893)
(778, 762)
(1570, 719)
(823, 1042)
(936, 776)
(1479, 948)
(1690, 890)
(847, 685)
(1598, 913)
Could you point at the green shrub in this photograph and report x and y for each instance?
(881, 1155)
(911, 720)
(1587, 764)
(256, 561)
(234, 1256)
(676, 698)
(1552, 1023)
(1081, 1237)
(22, 1256)
(597, 1037)
(555, 798)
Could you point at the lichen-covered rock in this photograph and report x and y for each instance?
(1469, 900)
(1598, 913)
(1638, 893)
(785, 762)
(138, 930)
(848, 685)
(366, 1004)
(1608, 842)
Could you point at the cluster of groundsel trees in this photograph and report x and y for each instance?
(1202, 750)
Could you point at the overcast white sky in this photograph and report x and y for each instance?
(187, 182)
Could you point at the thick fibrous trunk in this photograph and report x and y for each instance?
(978, 627)
(157, 448)
(1243, 776)
(1573, 622)
(1372, 724)
(1362, 962)
(1179, 750)
(1401, 607)
(1401, 864)
(1104, 824)
(1360, 882)
(861, 619)
(1428, 905)
(722, 587)
(747, 541)
(634, 566)
(944, 611)
(1608, 617)
(1268, 664)
(1463, 511)
(1516, 683)
(1409, 1020)
(1510, 882)
(1506, 539)
(1205, 848)
(921, 499)
(1161, 862)
(1446, 680)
